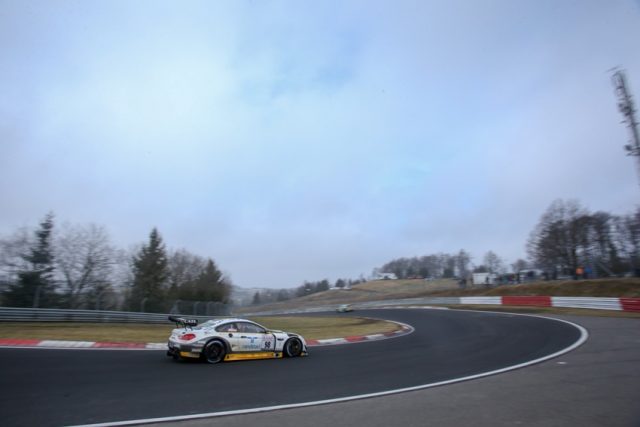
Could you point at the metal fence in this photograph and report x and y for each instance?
(12, 314)
(594, 303)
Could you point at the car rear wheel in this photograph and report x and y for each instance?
(214, 352)
(293, 348)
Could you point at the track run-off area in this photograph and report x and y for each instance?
(48, 387)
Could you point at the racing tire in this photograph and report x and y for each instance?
(293, 348)
(214, 351)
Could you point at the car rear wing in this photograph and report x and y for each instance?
(181, 322)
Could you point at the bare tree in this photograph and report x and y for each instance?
(12, 251)
(519, 265)
(627, 237)
(184, 269)
(194, 278)
(463, 260)
(84, 260)
(603, 251)
(493, 263)
(560, 236)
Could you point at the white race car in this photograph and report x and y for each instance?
(220, 340)
(344, 308)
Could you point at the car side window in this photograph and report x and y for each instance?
(229, 327)
(251, 328)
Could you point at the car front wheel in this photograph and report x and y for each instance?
(293, 348)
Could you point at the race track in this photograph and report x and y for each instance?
(70, 387)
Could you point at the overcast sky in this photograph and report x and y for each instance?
(302, 140)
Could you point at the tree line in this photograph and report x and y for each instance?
(568, 240)
(77, 267)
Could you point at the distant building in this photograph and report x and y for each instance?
(530, 275)
(385, 276)
(486, 279)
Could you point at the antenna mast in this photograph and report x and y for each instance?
(625, 105)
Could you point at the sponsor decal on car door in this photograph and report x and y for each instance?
(251, 337)
(269, 342)
(251, 342)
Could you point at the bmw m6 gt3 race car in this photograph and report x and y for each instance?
(220, 340)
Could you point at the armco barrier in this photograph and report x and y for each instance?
(630, 304)
(537, 301)
(12, 314)
(584, 302)
(481, 300)
(617, 304)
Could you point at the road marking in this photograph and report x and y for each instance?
(584, 335)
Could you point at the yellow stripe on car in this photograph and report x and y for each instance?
(188, 354)
(256, 355)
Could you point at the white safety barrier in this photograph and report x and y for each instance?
(583, 302)
(481, 300)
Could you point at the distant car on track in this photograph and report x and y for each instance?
(344, 308)
(228, 339)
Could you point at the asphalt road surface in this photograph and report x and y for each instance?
(67, 387)
(595, 385)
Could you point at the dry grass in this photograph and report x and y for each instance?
(376, 290)
(327, 327)
(412, 286)
(108, 332)
(308, 327)
(380, 290)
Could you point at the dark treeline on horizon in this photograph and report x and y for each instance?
(77, 267)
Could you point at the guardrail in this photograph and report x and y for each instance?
(617, 304)
(13, 314)
(578, 302)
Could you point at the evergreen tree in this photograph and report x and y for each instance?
(149, 276)
(35, 286)
(256, 298)
(322, 285)
(283, 295)
(211, 285)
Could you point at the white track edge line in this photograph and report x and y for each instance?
(406, 330)
(584, 335)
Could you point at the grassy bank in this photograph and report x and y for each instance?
(308, 327)
(380, 290)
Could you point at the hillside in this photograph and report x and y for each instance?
(399, 289)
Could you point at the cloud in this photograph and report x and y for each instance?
(297, 141)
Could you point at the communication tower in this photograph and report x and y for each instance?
(625, 105)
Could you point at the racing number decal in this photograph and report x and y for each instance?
(269, 339)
